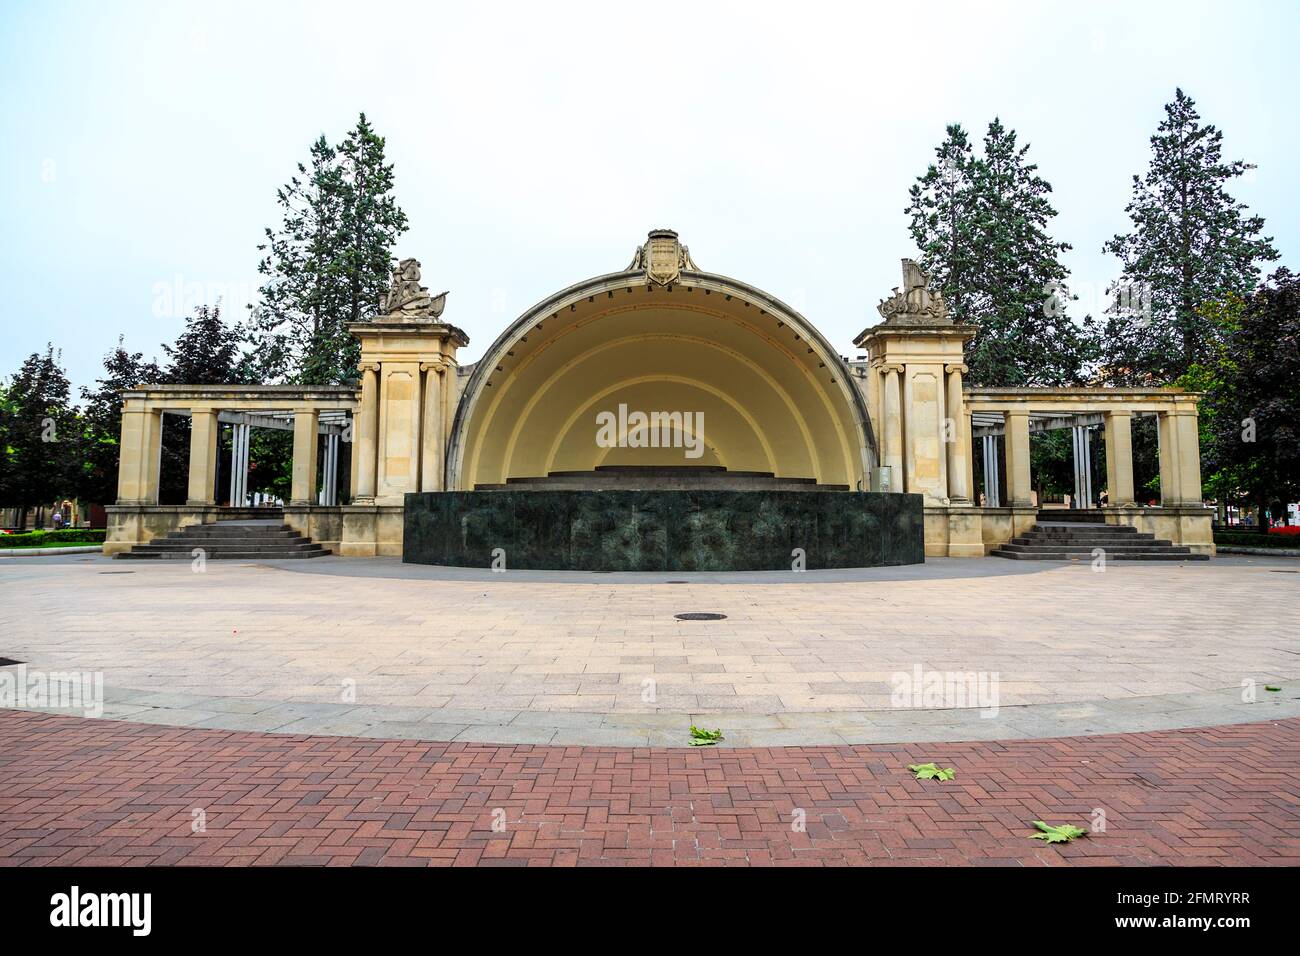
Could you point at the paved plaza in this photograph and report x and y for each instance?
(378, 648)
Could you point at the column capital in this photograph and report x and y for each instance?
(435, 365)
(889, 367)
(367, 366)
(959, 368)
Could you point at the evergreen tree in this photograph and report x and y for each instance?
(981, 226)
(1191, 244)
(329, 262)
(303, 292)
(8, 493)
(207, 352)
(101, 423)
(943, 220)
(40, 435)
(371, 222)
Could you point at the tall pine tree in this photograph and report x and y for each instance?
(328, 262)
(943, 220)
(981, 225)
(1191, 244)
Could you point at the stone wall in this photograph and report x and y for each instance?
(663, 530)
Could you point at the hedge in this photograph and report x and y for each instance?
(52, 539)
(1246, 539)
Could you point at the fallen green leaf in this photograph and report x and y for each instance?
(1062, 834)
(928, 771)
(1273, 689)
(704, 738)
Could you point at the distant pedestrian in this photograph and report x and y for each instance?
(58, 520)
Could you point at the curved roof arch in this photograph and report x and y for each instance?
(626, 328)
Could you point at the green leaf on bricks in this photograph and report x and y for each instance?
(1062, 834)
(928, 771)
(1273, 689)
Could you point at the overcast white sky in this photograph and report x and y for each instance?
(535, 144)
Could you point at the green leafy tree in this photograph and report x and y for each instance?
(328, 263)
(41, 446)
(1254, 398)
(1191, 244)
(981, 224)
(101, 421)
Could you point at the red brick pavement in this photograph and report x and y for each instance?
(100, 792)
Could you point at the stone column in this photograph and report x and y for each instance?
(1170, 470)
(448, 379)
(1082, 466)
(1119, 459)
(432, 445)
(992, 492)
(240, 435)
(365, 447)
(1180, 459)
(306, 425)
(139, 457)
(329, 482)
(1019, 484)
(203, 457)
(892, 439)
(959, 452)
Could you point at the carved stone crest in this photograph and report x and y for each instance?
(407, 298)
(917, 303)
(662, 258)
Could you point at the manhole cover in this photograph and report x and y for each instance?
(117, 572)
(6, 661)
(675, 582)
(1283, 571)
(699, 616)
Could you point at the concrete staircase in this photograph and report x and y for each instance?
(1057, 537)
(661, 478)
(258, 539)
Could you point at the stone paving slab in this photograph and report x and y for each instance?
(85, 792)
(671, 729)
(357, 644)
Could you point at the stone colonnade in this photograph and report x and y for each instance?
(137, 517)
(913, 379)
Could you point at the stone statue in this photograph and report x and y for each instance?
(917, 303)
(407, 298)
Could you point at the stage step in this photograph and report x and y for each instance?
(258, 539)
(659, 478)
(1076, 540)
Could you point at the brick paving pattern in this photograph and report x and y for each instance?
(94, 792)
